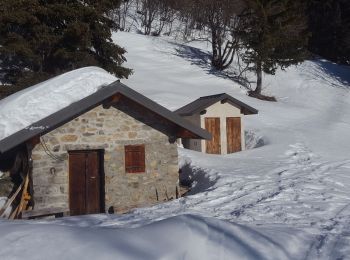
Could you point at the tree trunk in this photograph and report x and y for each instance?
(214, 48)
(259, 78)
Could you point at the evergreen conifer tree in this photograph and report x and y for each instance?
(40, 39)
(329, 23)
(274, 35)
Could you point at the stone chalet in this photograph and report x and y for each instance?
(109, 152)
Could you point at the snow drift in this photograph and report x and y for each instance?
(181, 237)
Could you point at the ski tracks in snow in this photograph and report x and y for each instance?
(333, 242)
(302, 191)
(298, 190)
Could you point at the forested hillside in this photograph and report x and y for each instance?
(42, 38)
(329, 22)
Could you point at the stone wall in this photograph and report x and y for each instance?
(108, 130)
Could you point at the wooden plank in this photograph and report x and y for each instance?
(77, 179)
(92, 183)
(135, 158)
(10, 201)
(24, 198)
(44, 212)
(233, 129)
(212, 125)
(21, 204)
(14, 213)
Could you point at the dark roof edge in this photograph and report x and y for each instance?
(199, 105)
(84, 105)
(160, 110)
(251, 110)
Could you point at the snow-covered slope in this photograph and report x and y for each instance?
(313, 99)
(37, 102)
(288, 199)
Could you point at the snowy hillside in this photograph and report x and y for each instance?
(299, 178)
(287, 199)
(313, 98)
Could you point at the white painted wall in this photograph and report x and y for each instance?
(216, 110)
(222, 111)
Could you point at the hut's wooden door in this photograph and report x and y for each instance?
(212, 125)
(85, 182)
(233, 129)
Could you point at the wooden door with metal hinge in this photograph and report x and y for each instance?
(86, 191)
(212, 125)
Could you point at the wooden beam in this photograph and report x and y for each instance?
(10, 200)
(184, 133)
(33, 142)
(111, 101)
(24, 198)
(57, 212)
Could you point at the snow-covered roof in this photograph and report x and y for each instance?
(32, 104)
(49, 111)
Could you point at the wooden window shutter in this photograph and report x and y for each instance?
(135, 158)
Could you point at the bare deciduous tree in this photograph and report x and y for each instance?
(220, 20)
(148, 11)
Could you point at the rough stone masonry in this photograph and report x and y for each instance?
(108, 130)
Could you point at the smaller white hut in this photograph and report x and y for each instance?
(222, 116)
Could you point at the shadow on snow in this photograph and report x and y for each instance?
(340, 73)
(203, 60)
(196, 179)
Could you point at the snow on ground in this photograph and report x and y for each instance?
(30, 105)
(287, 199)
(181, 237)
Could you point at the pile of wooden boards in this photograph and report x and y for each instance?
(18, 202)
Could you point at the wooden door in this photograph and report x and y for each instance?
(212, 125)
(233, 129)
(85, 183)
